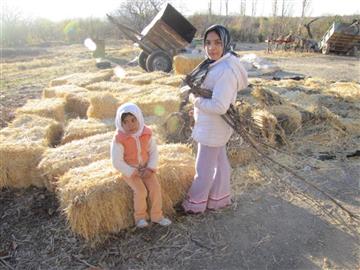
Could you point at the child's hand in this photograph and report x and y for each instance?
(136, 173)
(146, 173)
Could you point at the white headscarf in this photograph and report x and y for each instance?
(134, 110)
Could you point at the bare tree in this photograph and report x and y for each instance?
(305, 6)
(274, 8)
(210, 7)
(226, 7)
(286, 8)
(253, 7)
(242, 7)
(138, 13)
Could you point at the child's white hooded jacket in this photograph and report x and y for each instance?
(117, 149)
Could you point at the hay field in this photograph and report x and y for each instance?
(316, 119)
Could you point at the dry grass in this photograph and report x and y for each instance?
(348, 91)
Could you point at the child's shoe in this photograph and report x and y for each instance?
(142, 223)
(164, 222)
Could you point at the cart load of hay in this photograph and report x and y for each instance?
(96, 201)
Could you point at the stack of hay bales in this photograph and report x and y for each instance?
(51, 107)
(175, 80)
(76, 98)
(185, 63)
(143, 78)
(103, 105)
(97, 202)
(56, 161)
(21, 148)
(77, 129)
(83, 79)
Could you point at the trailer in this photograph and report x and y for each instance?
(341, 38)
(166, 35)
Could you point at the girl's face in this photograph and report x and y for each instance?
(130, 124)
(213, 46)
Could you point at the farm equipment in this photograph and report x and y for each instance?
(341, 38)
(167, 34)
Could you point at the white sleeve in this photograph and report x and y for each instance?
(153, 154)
(117, 159)
(223, 94)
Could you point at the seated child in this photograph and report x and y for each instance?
(134, 154)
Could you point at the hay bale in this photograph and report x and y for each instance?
(174, 80)
(156, 125)
(267, 97)
(97, 202)
(77, 129)
(288, 117)
(83, 79)
(56, 161)
(51, 107)
(111, 86)
(62, 91)
(265, 125)
(185, 63)
(348, 91)
(76, 98)
(29, 128)
(102, 106)
(143, 78)
(18, 164)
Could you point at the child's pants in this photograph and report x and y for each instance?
(142, 187)
(211, 185)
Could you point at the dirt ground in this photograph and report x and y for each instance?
(267, 226)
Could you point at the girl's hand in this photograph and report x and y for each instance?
(147, 173)
(135, 174)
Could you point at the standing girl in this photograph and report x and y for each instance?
(222, 73)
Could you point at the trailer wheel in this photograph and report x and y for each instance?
(159, 60)
(142, 60)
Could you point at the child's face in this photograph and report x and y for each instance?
(130, 124)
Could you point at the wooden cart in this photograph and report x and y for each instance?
(167, 34)
(341, 38)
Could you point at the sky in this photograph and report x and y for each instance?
(57, 10)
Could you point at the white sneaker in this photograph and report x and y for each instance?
(142, 223)
(164, 222)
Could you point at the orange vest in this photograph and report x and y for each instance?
(130, 147)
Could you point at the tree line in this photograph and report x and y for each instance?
(17, 32)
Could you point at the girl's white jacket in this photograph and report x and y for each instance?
(226, 76)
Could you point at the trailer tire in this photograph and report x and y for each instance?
(159, 60)
(142, 60)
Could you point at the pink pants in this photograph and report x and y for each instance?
(211, 186)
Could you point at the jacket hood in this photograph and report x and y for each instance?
(133, 109)
(235, 65)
